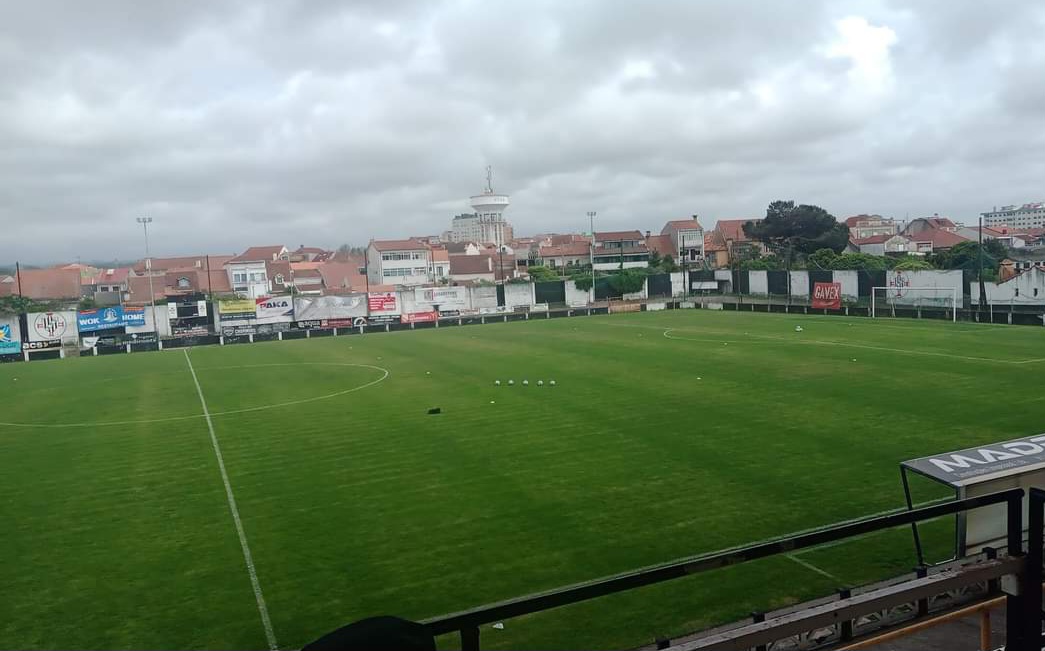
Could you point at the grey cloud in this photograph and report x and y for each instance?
(316, 121)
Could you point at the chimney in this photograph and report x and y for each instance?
(647, 234)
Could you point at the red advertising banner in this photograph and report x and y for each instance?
(827, 296)
(381, 302)
(420, 317)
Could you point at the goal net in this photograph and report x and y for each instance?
(886, 300)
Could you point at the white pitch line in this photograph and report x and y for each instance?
(230, 412)
(247, 557)
(814, 568)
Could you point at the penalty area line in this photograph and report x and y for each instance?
(263, 611)
(813, 568)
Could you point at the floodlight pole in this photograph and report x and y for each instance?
(145, 221)
(591, 249)
(983, 296)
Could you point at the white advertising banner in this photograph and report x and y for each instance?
(330, 307)
(274, 308)
(447, 298)
(48, 326)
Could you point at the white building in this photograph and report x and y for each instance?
(248, 272)
(399, 262)
(620, 250)
(487, 224)
(687, 239)
(1029, 215)
(864, 226)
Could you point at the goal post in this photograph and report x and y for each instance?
(915, 298)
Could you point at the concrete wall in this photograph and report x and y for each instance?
(484, 297)
(518, 295)
(800, 283)
(160, 318)
(678, 284)
(758, 282)
(901, 284)
(576, 297)
(1027, 288)
(850, 281)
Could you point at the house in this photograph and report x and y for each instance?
(663, 246)
(309, 254)
(186, 281)
(862, 227)
(1024, 288)
(620, 250)
(737, 244)
(715, 252)
(399, 262)
(440, 264)
(248, 272)
(465, 268)
(932, 235)
(1009, 267)
(343, 277)
(926, 223)
(687, 239)
(565, 255)
(1001, 233)
(463, 248)
(305, 278)
(882, 244)
(1029, 215)
(44, 284)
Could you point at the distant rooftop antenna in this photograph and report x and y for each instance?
(489, 179)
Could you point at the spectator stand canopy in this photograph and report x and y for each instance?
(1016, 463)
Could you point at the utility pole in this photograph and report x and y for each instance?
(18, 274)
(210, 283)
(591, 249)
(145, 221)
(366, 268)
(983, 292)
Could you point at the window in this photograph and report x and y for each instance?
(1035, 291)
(279, 279)
(239, 278)
(257, 277)
(183, 283)
(1017, 291)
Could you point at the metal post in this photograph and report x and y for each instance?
(845, 628)
(979, 274)
(591, 250)
(910, 507)
(1031, 587)
(470, 639)
(1015, 604)
(985, 630)
(145, 221)
(759, 617)
(18, 274)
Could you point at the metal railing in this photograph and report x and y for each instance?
(467, 622)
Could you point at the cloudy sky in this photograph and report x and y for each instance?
(323, 122)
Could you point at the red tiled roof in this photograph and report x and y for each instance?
(52, 283)
(198, 261)
(569, 238)
(398, 245)
(440, 255)
(342, 276)
(940, 222)
(873, 239)
(611, 236)
(565, 250)
(940, 238)
(681, 225)
(662, 244)
(260, 254)
(471, 264)
(733, 229)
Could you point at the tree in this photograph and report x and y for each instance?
(913, 264)
(803, 228)
(764, 263)
(860, 262)
(627, 281)
(540, 274)
(822, 259)
(966, 255)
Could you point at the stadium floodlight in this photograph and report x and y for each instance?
(914, 298)
(145, 221)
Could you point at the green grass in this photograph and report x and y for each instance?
(359, 504)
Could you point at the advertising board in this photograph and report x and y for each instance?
(10, 337)
(103, 318)
(827, 296)
(382, 302)
(48, 326)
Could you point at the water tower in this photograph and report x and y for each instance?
(489, 210)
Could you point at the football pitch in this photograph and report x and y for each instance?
(245, 496)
